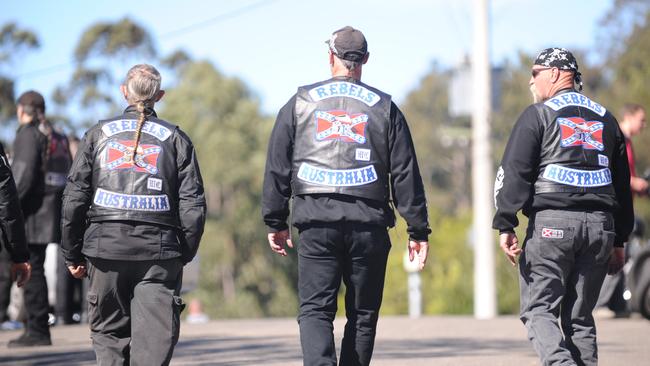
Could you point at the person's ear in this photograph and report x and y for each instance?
(555, 75)
(123, 91)
(365, 58)
(159, 95)
(331, 58)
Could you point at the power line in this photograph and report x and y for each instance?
(218, 18)
(187, 29)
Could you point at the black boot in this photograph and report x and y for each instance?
(29, 340)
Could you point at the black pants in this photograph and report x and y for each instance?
(357, 254)
(5, 284)
(70, 293)
(134, 310)
(35, 294)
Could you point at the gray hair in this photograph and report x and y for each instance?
(142, 84)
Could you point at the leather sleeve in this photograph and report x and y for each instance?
(76, 201)
(192, 206)
(11, 217)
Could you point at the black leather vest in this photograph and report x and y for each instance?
(577, 145)
(146, 191)
(58, 163)
(341, 139)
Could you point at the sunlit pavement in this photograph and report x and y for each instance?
(445, 340)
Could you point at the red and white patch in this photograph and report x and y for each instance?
(552, 233)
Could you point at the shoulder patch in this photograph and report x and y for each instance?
(574, 99)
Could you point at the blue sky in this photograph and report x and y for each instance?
(276, 45)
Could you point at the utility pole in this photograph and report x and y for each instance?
(482, 174)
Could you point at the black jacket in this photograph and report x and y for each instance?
(115, 210)
(12, 226)
(567, 153)
(407, 190)
(39, 168)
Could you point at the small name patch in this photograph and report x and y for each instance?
(344, 89)
(575, 100)
(603, 160)
(552, 233)
(362, 154)
(55, 179)
(577, 177)
(337, 178)
(156, 130)
(154, 183)
(130, 202)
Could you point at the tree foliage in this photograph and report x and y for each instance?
(240, 275)
(14, 41)
(103, 54)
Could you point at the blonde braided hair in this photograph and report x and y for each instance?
(142, 87)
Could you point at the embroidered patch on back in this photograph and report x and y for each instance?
(362, 154)
(576, 132)
(119, 155)
(155, 184)
(552, 233)
(339, 125)
(603, 160)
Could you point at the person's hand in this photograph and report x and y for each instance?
(510, 246)
(21, 273)
(78, 270)
(421, 248)
(277, 240)
(639, 185)
(616, 260)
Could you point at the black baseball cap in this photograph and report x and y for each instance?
(32, 98)
(349, 44)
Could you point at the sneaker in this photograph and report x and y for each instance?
(11, 325)
(27, 340)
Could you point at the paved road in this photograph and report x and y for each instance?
(439, 341)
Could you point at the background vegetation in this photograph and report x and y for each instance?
(239, 276)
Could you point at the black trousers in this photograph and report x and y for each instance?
(35, 294)
(70, 293)
(134, 310)
(5, 284)
(327, 254)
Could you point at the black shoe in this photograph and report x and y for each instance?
(28, 340)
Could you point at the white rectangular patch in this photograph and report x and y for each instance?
(155, 184)
(363, 154)
(552, 233)
(603, 160)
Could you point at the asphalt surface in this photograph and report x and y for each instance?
(440, 341)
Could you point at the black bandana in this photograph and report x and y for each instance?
(562, 59)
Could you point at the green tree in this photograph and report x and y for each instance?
(14, 42)
(240, 276)
(104, 53)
